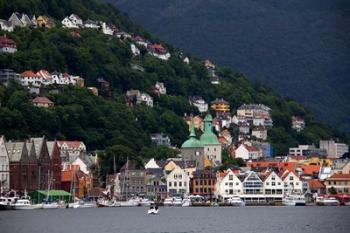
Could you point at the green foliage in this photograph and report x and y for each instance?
(124, 131)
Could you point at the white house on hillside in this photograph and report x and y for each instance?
(67, 23)
(247, 152)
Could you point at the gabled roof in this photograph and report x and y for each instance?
(15, 150)
(41, 100)
(29, 73)
(70, 144)
(339, 177)
(44, 74)
(6, 42)
(315, 184)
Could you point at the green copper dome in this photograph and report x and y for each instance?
(192, 141)
(208, 137)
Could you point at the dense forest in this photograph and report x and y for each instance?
(298, 48)
(110, 125)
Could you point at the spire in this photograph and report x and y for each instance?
(193, 133)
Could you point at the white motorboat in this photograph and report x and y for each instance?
(129, 203)
(177, 201)
(153, 210)
(294, 200)
(347, 203)
(53, 205)
(23, 204)
(327, 201)
(168, 201)
(82, 204)
(146, 202)
(4, 203)
(236, 201)
(103, 203)
(186, 202)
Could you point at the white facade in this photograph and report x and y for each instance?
(67, 23)
(76, 20)
(4, 167)
(201, 105)
(82, 165)
(230, 184)
(258, 121)
(178, 182)
(135, 51)
(145, 99)
(273, 186)
(247, 153)
(33, 81)
(6, 26)
(160, 87)
(260, 133)
(152, 164)
(292, 183)
(106, 29)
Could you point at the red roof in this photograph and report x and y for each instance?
(6, 42)
(252, 148)
(339, 177)
(70, 144)
(315, 184)
(43, 73)
(41, 100)
(29, 73)
(310, 169)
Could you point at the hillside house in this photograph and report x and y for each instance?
(160, 139)
(67, 23)
(6, 25)
(157, 50)
(42, 102)
(159, 88)
(45, 21)
(107, 29)
(71, 150)
(199, 103)
(7, 45)
(22, 20)
(91, 24)
(7, 75)
(220, 106)
(260, 132)
(298, 123)
(248, 152)
(145, 99)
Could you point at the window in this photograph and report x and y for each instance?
(169, 184)
(297, 183)
(237, 183)
(180, 184)
(291, 178)
(230, 177)
(175, 184)
(267, 183)
(273, 184)
(185, 183)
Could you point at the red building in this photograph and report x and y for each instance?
(19, 160)
(56, 167)
(203, 183)
(33, 169)
(44, 162)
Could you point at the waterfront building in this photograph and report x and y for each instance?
(228, 183)
(44, 161)
(132, 179)
(178, 182)
(203, 183)
(292, 182)
(18, 157)
(56, 167)
(338, 183)
(273, 186)
(4, 167)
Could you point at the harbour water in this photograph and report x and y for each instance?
(179, 220)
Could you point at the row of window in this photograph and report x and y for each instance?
(203, 190)
(177, 184)
(204, 182)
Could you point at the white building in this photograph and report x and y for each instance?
(84, 162)
(248, 152)
(30, 79)
(160, 88)
(135, 51)
(199, 103)
(292, 183)
(107, 30)
(4, 167)
(152, 164)
(91, 24)
(260, 132)
(6, 25)
(76, 20)
(71, 150)
(334, 150)
(178, 182)
(298, 123)
(67, 23)
(228, 184)
(273, 186)
(145, 98)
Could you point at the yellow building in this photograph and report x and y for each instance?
(220, 105)
(44, 21)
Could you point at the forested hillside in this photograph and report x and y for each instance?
(298, 48)
(111, 124)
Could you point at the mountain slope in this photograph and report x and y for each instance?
(299, 48)
(79, 115)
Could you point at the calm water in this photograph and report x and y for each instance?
(179, 220)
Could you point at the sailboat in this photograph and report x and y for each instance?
(128, 202)
(48, 204)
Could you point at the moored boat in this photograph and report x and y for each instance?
(153, 210)
(168, 201)
(294, 200)
(327, 201)
(236, 201)
(23, 204)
